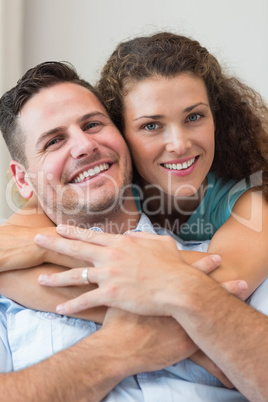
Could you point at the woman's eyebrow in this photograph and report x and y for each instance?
(190, 108)
(159, 116)
(154, 116)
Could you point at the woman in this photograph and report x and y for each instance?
(148, 88)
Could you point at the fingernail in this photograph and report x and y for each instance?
(216, 258)
(43, 278)
(39, 238)
(60, 309)
(243, 285)
(61, 228)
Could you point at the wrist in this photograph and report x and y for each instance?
(196, 299)
(184, 292)
(113, 351)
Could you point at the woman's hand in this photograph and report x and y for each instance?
(19, 250)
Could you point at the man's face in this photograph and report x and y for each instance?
(78, 161)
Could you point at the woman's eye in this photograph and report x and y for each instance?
(91, 125)
(151, 126)
(194, 117)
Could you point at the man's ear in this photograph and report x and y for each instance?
(22, 180)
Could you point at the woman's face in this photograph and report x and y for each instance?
(169, 128)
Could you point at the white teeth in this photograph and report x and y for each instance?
(91, 172)
(179, 166)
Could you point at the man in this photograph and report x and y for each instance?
(69, 137)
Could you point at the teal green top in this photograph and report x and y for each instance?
(214, 209)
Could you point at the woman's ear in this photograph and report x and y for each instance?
(22, 180)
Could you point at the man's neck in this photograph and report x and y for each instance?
(118, 222)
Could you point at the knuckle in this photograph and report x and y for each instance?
(75, 248)
(115, 253)
(111, 272)
(110, 292)
(83, 301)
(75, 275)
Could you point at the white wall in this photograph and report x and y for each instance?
(11, 49)
(85, 32)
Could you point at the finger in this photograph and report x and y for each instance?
(72, 277)
(80, 303)
(87, 235)
(143, 235)
(237, 287)
(208, 263)
(73, 248)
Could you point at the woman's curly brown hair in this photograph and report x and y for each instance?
(240, 114)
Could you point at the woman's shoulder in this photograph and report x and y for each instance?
(215, 208)
(219, 189)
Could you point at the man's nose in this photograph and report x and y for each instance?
(82, 144)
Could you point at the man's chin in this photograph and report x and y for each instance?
(86, 214)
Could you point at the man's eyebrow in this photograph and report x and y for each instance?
(92, 114)
(47, 134)
(59, 129)
(159, 116)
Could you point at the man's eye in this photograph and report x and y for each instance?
(151, 126)
(52, 142)
(194, 116)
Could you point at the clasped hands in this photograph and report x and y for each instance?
(137, 272)
(142, 274)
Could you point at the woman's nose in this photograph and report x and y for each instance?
(177, 141)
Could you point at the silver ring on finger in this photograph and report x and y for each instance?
(85, 276)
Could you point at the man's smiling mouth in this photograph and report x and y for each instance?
(91, 172)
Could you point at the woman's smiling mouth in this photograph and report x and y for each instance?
(180, 166)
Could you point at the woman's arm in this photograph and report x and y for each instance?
(17, 247)
(18, 250)
(32, 295)
(242, 242)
